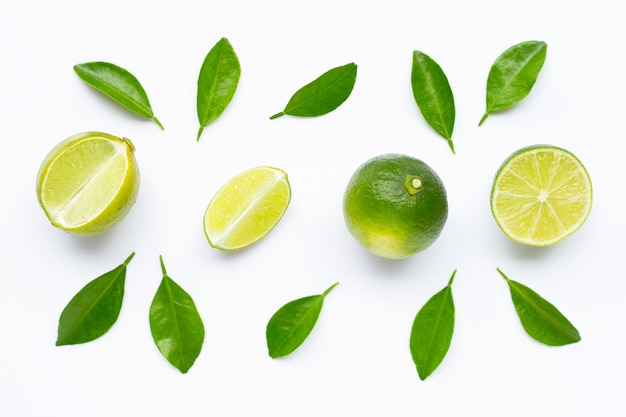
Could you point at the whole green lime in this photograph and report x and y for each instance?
(395, 206)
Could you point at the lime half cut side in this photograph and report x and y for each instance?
(247, 208)
(88, 182)
(541, 195)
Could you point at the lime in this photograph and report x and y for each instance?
(246, 208)
(541, 195)
(395, 206)
(88, 182)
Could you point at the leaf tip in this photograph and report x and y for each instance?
(451, 146)
(199, 133)
(421, 375)
(272, 354)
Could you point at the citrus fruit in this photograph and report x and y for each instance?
(395, 206)
(88, 182)
(246, 208)
(541, 195)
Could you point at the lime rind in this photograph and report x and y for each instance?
(541, 195)
(247, 208)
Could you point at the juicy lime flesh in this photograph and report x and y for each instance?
(541, 195)
(246, 208)
(386, 214)
(88, 183)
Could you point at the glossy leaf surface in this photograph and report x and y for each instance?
(431, 334)
(433, 95)
(176, 325)
(289, 327)
(541, 320)
(94, 309)
(513, 75)
(322, 95)
(217, 82)
(118, 84)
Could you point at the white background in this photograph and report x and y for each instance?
(356, 361)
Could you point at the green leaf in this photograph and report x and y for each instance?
(289, 327)
(432, 331)
(175, 323)
(433, 95)
(217, 82)
(322, 95)
(513, 75)
(541, 320)
(119, 84)
(94, 309)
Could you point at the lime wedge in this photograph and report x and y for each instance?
(541, 195)
(88, 182)
(246, 208)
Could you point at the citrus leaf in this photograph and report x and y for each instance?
(118, 84)
(322, 95)
(289, 327)
(432, 331)
(513, 75)
(433, 95)
(94, 309)
(541, 320)
(217, 82)
(175, 323)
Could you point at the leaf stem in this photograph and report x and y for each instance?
(451, 278)
(502, 273)
(277, 115)
(157, 122)
(325, 293)
(483, 118)
(199, 133)
(129, 258)
(162, 265)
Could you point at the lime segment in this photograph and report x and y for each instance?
(88, 182)
(541, 195)
(246, 208)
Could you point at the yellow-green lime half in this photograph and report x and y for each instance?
(88, 182)
(395, 206)
(246, 208)
(541, 194)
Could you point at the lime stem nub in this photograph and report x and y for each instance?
(413, 184)
(130, 145)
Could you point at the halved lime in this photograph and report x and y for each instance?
(246, 208)
(541, 195)
(88, 182)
